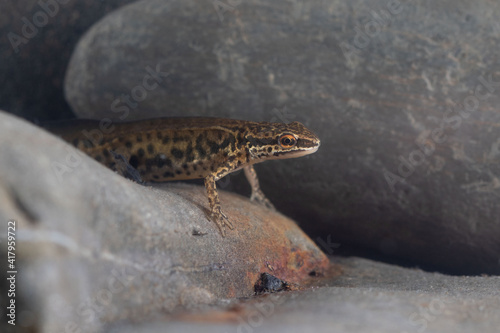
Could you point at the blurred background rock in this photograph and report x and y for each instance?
(32, 67)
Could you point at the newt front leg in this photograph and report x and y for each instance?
(216, 214)
(257, 194)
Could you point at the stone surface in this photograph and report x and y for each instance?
(376, 80)
(95, 248)
(33, 58)
(368, 297)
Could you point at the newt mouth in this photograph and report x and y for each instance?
(294, 154)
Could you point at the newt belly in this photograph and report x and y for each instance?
(166, 149)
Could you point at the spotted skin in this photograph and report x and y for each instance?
(166, 149)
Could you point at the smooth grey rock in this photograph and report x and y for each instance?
(375, 109)
(94, 248)
(369, 297)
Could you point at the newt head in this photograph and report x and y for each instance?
(269, 141)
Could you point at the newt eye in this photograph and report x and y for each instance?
(287, 141)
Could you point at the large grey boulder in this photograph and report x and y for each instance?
(93, 248)
(403, 95)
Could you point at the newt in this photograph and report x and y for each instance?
(167, 149)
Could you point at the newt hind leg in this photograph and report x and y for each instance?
(216, 214)
(124, 168)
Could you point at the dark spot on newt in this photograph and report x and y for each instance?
(88, 144)
(177, 153)
(189, 153)
(133, 161)
(214, 147)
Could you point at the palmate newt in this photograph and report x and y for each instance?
(166, 149)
